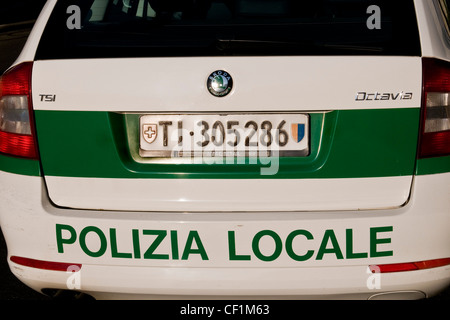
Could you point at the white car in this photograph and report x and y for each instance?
(230, 148)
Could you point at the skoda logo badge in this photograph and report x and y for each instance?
(220, 83)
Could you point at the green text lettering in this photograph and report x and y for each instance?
(278, 245)
(290, 249)
(114, 252)
(188, 250)
(103, 242)
(349, 246)
(232, 248)
(329, 235)
(60, 241)
(160, 235)
(375, 241)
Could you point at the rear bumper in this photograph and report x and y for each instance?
(228, 255)
(124, 282)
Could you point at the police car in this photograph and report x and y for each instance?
(230, 148)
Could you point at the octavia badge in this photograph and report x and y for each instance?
(220, 83)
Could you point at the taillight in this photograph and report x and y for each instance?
(435, 127)
(17, 136)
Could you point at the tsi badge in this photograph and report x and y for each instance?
(150, 132)
(220, 83)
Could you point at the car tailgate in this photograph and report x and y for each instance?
(363, 128)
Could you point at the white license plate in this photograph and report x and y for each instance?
(224, 135)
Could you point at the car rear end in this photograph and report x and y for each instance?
(228, 149)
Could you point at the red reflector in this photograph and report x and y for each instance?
(17, 144)
(46, 265)
(435, 143)
(409, 266)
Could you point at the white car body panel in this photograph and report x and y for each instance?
(230, 195)
(317, 87)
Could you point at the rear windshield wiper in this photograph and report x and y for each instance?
(230, 44)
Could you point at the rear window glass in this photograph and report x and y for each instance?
(169, 28)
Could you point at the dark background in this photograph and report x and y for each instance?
(16, 20)
(19, 10)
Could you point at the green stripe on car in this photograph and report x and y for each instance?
(344, 144)
(19, 166)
